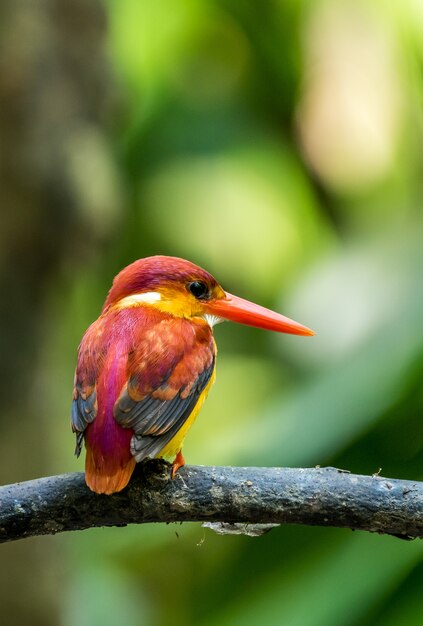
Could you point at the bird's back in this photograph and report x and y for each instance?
(141, 379)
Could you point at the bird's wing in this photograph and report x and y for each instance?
(84, 405)
(167, 372)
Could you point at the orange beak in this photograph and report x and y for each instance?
(239, 310)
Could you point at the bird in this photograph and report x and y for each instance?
(146, 365)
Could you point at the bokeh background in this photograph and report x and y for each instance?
(280, 145)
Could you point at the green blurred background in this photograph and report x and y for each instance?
(279, 145)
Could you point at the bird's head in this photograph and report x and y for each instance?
(183, 289)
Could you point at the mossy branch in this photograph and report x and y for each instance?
(247, 495)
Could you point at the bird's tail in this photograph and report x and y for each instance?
(108, 478)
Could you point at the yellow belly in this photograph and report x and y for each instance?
(175, 444)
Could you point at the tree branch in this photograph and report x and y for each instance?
(319, 496)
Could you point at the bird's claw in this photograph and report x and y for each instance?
(177, 464)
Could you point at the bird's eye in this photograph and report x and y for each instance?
(198, 289)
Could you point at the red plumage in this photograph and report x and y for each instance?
(126, 357)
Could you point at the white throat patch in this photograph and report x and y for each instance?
(212, 320)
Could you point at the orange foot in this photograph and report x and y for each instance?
(177, 463)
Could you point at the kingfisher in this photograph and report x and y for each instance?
(146, 365)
